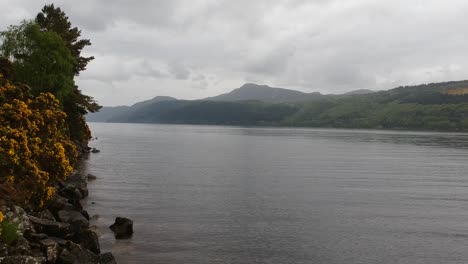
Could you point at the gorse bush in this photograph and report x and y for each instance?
(35, 146)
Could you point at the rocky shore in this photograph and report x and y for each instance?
(61, 233)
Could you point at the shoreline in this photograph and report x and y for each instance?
(61, 232)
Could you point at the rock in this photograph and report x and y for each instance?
(20, 247)
(51, 228)
(51, 249)
(45, 214)
(34, 237)
(3, 250)
(60, 203)
(85, 214)
(107, 258)
(23, 260)
(89, 240)
(19, 218)
(75, 254)
(73, 194)
(91, 177)
(123, 228)
(95, 150)
(73, 217)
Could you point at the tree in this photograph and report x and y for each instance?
(39, 58)
(53, 19)
(76, 104)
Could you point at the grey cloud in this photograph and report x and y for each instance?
(199, 48)
(179, 71)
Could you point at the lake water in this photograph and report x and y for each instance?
(211, 194)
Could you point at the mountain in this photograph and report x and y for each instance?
(108, 113)
(264, 93)
(359, 92)
(435, 106)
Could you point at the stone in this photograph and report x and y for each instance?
(17, 216)
(23, 260)
(91, 177)
(51, 228)
(73, 217)
(51, 249)
(89, 240)
(123, 228)
(95, 150)
(20, 247)
(107, 258)
(75, 254)
(3, 250)
(45, 214)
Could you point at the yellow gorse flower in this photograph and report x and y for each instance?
(35, 147)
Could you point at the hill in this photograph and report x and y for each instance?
(436, 106)
(265, 93)
(108, 113)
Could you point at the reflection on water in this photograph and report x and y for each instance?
(204, 194)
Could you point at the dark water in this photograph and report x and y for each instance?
(202, 194)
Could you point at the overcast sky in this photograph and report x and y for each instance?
(197, 48)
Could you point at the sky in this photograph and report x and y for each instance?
(191, 49)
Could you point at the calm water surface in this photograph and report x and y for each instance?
(204, 194)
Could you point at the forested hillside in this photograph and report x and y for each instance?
(437, 106)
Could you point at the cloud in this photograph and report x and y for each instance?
(199, 48)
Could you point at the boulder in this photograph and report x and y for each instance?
(19, 218)
(45, 214)
(91, 177)
(51, 228)
(20, 247)
(51, 249)
(123, 228)
(107, 258)
(89, 240)
(73, 217)
(23, 260)
(75, 254)
(3, 250)
(95, 150)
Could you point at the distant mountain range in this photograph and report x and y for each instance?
(436, 106)
(246, 92)
(265, 93)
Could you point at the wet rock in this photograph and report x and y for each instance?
(85, 214)
(91, 177)
(107, 258)
(89, 240)
(123, 228)
(51, 249)
(73, 217)
(95, 150)
(23, 260)
(75, 254)
(73, 194)
(51, 228)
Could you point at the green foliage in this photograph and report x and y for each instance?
(76, 104)
(46, 55)
(53, 19)
(40, 59)
(8, 232)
